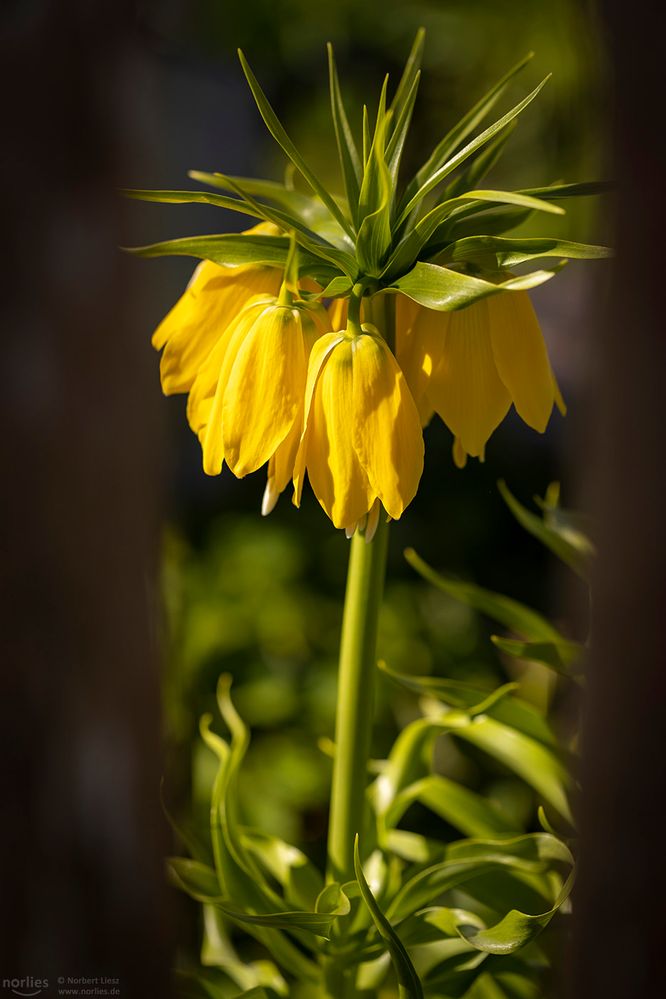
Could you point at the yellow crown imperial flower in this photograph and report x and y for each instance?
(246, 403)
(214, 295)
(362, 443)
(470, 365)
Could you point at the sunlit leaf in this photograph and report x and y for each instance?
(409, 986)
(347, 152)
(452, 140)
(513, 615)
(573, 547)
(283, 140)
(446, 290)
(431, 180)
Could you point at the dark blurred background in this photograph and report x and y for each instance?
(132, 580)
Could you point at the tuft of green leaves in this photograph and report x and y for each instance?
(436, 243)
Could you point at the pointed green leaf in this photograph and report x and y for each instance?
(573, 547)
(512, 614)
(474, 700)
(516, 929)
(409, 985)
(410, 246)
(224, 249)
(467, 811)
(396, 143)
(349, 161)
(304, 236)
(231, 249)
(466, 860)
(374, 209)
(563, 656)
(297, 875)
(446, 290)
(434, 178)
(310, 210)
(279, 134)
(409, 74)
(496, 252)
(481, 164)
(451, 141)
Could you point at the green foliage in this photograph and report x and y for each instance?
(428, 914)
(432, 242)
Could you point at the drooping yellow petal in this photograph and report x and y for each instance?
(521, 357)
(336, 476)
(465, 388)
(212, 435)
(212, 300)
(200, 398)
(265, 389)
(386, 427)
(337, 313)
(318, 356)
(559, 398)
(314, 321)
(419, 339)
(459, 454)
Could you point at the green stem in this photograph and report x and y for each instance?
(356, 681)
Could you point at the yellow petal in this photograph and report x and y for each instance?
(337, 313)
(265, 389)
(204, 385)
(212, 300)
(334, 471)
(385, 424)
(211, 435)
(465, 388)
(521, 357)
(318, 356)
(459, 455)
(419, 345)
(559, 399)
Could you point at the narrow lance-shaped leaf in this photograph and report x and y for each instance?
(446, 290)
(409, 74)
(347, 152)
(309, 210)
(409, 247)
(463, 222)
(448, 167)
(447, 146)
(306, 237)
(409, 985)
(481, 164)
(374, 235)
(563, 656)
(575, 550)
(234, 250)
(279, 134)
(500, 252)
(512, 614)
(397, 141)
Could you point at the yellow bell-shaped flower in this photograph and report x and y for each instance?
(470, 365)
(361, 443)
(214, 296)
(246, 403)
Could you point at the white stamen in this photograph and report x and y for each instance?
(270, 498)
(372, 522)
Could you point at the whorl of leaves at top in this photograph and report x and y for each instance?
(437, 238)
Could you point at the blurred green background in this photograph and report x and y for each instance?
(262, 599)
